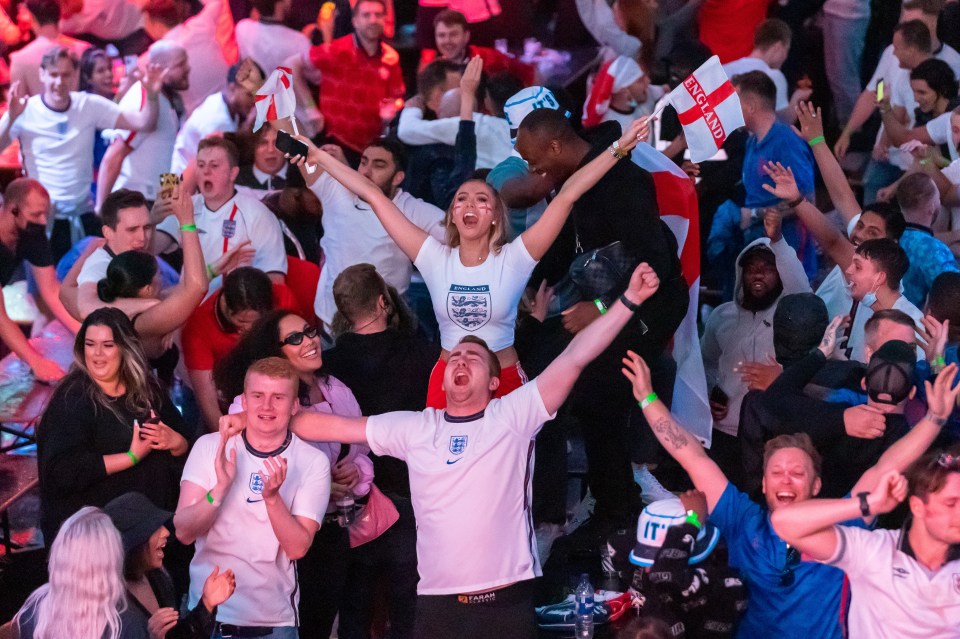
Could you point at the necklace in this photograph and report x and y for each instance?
(375, 318)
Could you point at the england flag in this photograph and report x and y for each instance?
(708, 108)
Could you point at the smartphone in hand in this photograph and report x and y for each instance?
(286, 143)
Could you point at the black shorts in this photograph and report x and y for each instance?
(500, 614)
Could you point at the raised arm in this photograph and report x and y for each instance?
(941, 400)
(539, 237)
(16, 103)
(681, 445)
(831, 240)
(318, 427)
(557, 380)
(174, 310)
(408, 236)
(809, 525)
(110, 167)
(862, 111)
(145, 119)
(811, 129)
(898, 132)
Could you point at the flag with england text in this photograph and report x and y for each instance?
(275, 99)
(677, 201)
(708, 108)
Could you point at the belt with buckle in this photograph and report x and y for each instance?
(230, 630)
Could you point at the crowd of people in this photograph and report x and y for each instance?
(333, 388)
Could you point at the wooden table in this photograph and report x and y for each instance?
(22, 397)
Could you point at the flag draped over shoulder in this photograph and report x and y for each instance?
(708, 108)
(275, 99)
(677, 201)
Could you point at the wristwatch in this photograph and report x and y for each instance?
(864, 504)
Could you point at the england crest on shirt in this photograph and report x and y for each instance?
(256, 483)
(458, 444)
(469, 306)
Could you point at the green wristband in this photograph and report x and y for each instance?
(817, 140)
(210, 272)
(649, 399)
(209, 497)
(133, 457)
(188, 227)
(693, 519)
(600, 306)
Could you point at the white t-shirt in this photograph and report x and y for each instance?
(470, 482)
(478, 300)
(57, 147)
(242, 539)
(493, 134)
(208, 67)
(269, 44)
(152, 152)
(95, 268)
(952, 173)
(748, 64)
(352, 234)
(242, 218)
(105, 19)
(893, 596)
(939, 131)
(212, 116)
(858, 338)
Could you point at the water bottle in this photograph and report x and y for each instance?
(583, 600)
(345, 510)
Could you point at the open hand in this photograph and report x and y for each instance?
(240, 255)
(273, 475)
(933, 337)
(16, 100)
(218, 587)
(225, 466)
(784, 183)
(942, 394)
(828, 343)
(470, 80)
(637, 371)
(153, 78)
(810, 119)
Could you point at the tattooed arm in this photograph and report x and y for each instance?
(681, 445)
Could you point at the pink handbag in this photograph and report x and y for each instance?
(374, 519)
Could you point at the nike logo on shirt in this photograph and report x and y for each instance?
(454, 461)
(253, 501)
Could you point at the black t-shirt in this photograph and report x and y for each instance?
(32, 246)
(387, 372)
(72, 438)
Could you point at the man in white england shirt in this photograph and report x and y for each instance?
(136, 160)
(225, 217)
(351, 231)
(470, 477)
(56, 133)
(253, 502)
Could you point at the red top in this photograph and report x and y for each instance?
(726, 26)
(354, 86)
(205, 342)
(494, 62)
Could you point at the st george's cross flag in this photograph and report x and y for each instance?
(708, 108)
(275, 99)
(677, 201)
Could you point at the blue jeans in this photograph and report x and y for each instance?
(281, 632)
(843, 40)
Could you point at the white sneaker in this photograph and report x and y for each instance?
(650, 488)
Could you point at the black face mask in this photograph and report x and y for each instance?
(34, 228)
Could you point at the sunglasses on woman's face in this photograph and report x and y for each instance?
(296, 339)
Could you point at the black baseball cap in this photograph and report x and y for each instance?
(889, 377)
(136, 517)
